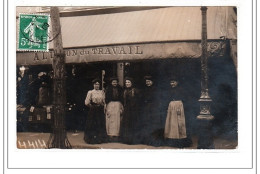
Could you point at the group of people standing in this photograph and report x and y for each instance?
(132, 116)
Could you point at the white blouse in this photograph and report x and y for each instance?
(95, 96)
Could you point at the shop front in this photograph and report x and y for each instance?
(163, 48)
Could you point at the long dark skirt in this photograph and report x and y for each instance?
(129, 125)
(151, 129)
(95, 131)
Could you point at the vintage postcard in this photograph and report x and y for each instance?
(123, 86)
(136, 84)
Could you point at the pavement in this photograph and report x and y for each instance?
(38, 140)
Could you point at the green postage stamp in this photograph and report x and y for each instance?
(33, 32)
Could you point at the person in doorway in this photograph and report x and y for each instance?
(131, 112)
(95, 131)
(22, 91)
(175, 126)
(74, 102)
(151, 120)
(44, 95)
(114, 109)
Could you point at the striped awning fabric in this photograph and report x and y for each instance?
(152, 25)
(156, 25)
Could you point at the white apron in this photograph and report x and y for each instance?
(114, 110)
(175, 127)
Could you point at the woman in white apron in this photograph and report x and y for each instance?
(114, 109)
(175, 126)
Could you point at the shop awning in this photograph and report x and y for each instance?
(130, 52)
(163, 24)
(171, 32)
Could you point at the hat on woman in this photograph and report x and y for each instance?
(113, 78)
(148, 77)
(96, 80)
(174, 78)
(129, 78)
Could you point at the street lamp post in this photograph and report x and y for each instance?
(58, 138)
(205, 118)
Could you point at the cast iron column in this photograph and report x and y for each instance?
(58, 138)
(204, 118)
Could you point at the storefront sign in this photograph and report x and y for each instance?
(122, 53)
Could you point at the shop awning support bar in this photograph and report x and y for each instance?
(205, 137)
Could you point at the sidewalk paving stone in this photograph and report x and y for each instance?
(37, 140)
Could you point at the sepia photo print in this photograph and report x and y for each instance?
(122, 77)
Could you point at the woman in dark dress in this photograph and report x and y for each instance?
(114, 109)
(151, 120)
(95, 131)
(131, 112)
